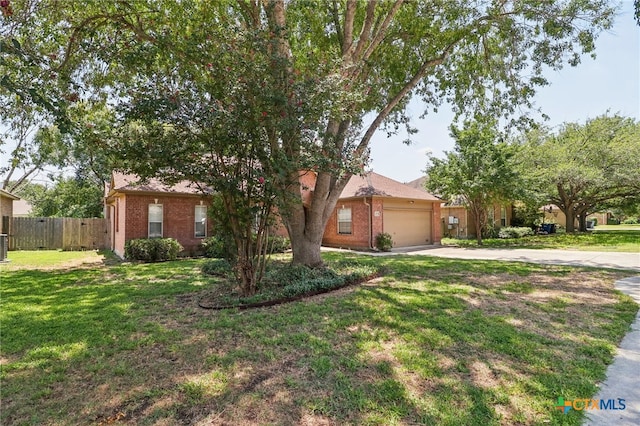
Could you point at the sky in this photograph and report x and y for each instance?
(611, 83)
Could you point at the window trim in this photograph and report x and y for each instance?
(161, 220)
(195, 221)
(350, 221)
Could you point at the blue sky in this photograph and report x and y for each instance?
(610, 82)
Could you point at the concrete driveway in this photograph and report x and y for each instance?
(630, 261)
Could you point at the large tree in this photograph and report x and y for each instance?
(374, 55)
(479, 170)
(586, 167)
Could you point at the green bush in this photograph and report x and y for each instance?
(218, 247)
(278, 244)
(384, 242)
(514, 232)
(295, 280)
(152, 249)
(218, 267)
(490, 231)
(630, 221)
(222, 246)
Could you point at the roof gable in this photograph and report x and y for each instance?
(373, 184)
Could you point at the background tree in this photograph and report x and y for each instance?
(49, 111)
(585, 168)
(489, 55)
(478, 170)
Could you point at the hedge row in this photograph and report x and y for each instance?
(515, 232)
(152, 249)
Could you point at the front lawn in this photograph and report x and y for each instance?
(611, 240)
(435, 341)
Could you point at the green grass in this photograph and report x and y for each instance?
(435, 341)
(611, 240)
(52, 258)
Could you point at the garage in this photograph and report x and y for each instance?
(408, 227)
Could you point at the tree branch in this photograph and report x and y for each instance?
(365, 34)
(411, 84)
(349, 16)
(382, 30)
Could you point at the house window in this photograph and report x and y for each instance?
(344, 221)
(201, 222)
(491, 216)
(155, 220)
(503, 216)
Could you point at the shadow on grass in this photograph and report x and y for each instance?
(430, 344)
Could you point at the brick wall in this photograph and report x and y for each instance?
(132, 213)
(359, 237)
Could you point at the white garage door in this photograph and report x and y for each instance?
(408, 227)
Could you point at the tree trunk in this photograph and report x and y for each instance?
(570, 222)
(478, 216)
(306, 224)
(582, 223)
(306, 251)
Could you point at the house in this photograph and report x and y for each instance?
(22, 208)
(371, 204)
(553, 214)
(151, 209)
(7, 200)
(458, 222)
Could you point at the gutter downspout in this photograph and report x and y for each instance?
(364, 199)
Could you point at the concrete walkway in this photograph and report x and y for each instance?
(623, 375)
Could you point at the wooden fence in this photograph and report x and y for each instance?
(51, 233)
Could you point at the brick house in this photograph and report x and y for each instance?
(372, 204)
(458, 222)
(151, 209)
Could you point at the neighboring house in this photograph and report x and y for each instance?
(372, 204)
(553, 214)
(7, 201)
(151, 209)
(22, 208)
(458, 222)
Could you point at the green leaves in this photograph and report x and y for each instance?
(584, 168)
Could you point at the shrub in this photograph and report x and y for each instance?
(490, 231)
(218, 247)
(277, 244)
(222, 246)
(152, 249)
(514, 232)
(302, 280)
(218, 267)
(384, 242)
(630, 221)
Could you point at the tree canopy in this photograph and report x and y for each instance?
(584, 167)
(322, 67)
(479, 171)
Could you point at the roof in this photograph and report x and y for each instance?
(122, 182)
(418, 183)
(373, 184)
(8, 195)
